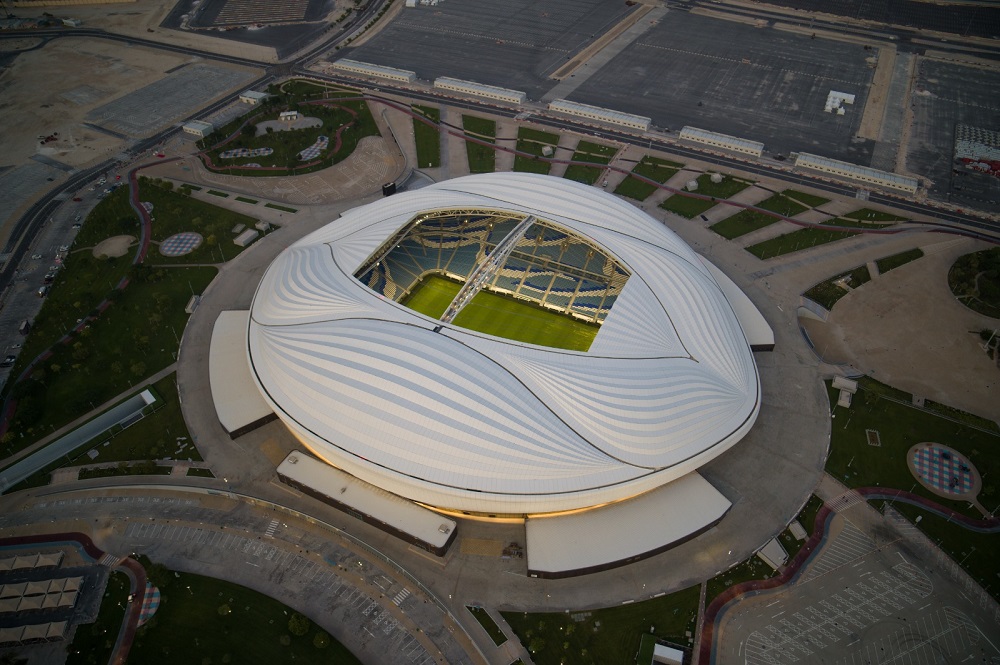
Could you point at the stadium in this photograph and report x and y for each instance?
(505, 345)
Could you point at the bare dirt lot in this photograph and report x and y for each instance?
(51, 89)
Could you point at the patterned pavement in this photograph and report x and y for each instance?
(180, 244)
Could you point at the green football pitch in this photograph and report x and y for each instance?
(501, 316)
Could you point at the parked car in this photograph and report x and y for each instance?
(77, 225)
(36, 257)
(43, 291)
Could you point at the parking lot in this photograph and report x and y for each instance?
(946, 94)
(868, 596)
(512, 44)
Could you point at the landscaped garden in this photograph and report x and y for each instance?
(609, 636)
(657, 170)
(975, 281)
(899, 425)
(690, 207)
(276, 147)
(482, 158)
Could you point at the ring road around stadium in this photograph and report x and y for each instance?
(505, 345)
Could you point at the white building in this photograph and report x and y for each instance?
(724, 141)
(859, 174)
(601, 114)
(480, 90)
(464, 421)
(253, 98)
(198, 128)
(367, 70)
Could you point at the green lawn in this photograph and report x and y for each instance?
(482, 158)
(200, 473)
(805, 238)
(900, 426)
(174, 212)
(125, 469)
(887, 263)
(92, 643)
(975, 281)
(782, 205)
(810, 200)
(205, 620)
(827, 293)
(742, 223)
(869, 215)
(529, 164)
(427, 138)
(589, 152)
(243, 199)
(537, 136)
(690, 207)
(502, 316)
(609, 636)
(137, 336)
(488, 624)
(153, 437)
(658, 170)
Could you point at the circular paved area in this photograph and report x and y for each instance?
(943, 470)
(180, 244)
(113, 247)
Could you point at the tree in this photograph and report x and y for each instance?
(138, 368)
(299, 624)
(225, 610)
(321, 640)
(158, 575)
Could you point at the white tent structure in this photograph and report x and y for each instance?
(464, 421)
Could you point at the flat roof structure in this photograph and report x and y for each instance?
(480, 90)
(237, 401)
(198, 127)
(405, 519)
(862, 174)
(623, 532)
(601, 114)
(377, 71)
(253, 97)
(468, 422)
(724, 141)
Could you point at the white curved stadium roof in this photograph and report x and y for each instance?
(461, 420)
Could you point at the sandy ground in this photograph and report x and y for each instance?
(51, 90)
(143, 18)
(905, 328)
(113, 246)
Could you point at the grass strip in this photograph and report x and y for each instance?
(214, 192)
(810, 200)
(887, 263)
(243, 199)
(427, 138)
(275, 206)
(488, 624)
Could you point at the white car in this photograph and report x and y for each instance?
(36, 257)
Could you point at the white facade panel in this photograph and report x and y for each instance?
(466, 421)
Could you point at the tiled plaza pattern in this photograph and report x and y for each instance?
(236, 153)
(180, 244)
(943, 469)
(312, 152)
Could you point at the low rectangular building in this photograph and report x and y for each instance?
(724, 141)
(252, 97)
(246, 238)
(198, 128)
(480, 90)
(376, 71)
(393, 514)
(861, 174)
(609, 116)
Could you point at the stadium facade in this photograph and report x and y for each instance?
(469, 422)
